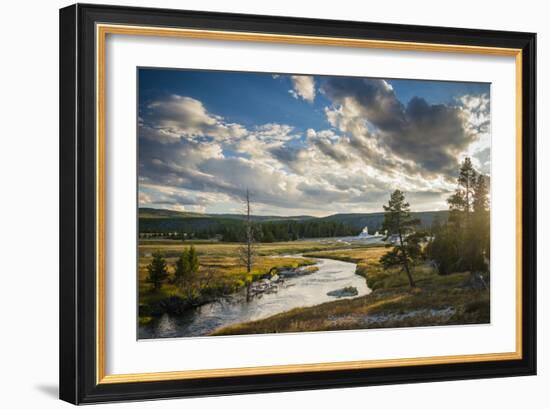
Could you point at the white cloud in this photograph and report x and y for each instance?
(303, 86)
(177, 116)
(144, 198)
(274, 132)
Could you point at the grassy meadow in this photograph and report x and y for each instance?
(221, 262)
(436, 300)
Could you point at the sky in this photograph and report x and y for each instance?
(304, 144)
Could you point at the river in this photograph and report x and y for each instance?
(300, 291)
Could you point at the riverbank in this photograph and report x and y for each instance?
(324, 281)
(437, 300)
(221, 273)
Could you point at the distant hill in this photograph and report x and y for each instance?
(260, 218)
(150, 213)
(208, 225)
(165, 221)
(374, 220)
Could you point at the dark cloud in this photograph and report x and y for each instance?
(331, 150)
(374, 97)
(285, 154)
(434, 136)
(429, 137)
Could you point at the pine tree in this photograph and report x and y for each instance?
(444, 249)
(467, 178)
(481, 222)
(398, 221)
(461, 202)
(157, 271)
(268, 234)
(463, 244)
(457, 206)
(481, 195)
(182, 269)
(187, 267)
(193, 260)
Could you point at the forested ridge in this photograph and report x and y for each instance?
(160, 223)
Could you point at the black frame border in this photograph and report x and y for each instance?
(78, 197)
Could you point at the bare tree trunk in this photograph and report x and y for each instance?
(247, 250)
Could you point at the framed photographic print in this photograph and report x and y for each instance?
(257, 203)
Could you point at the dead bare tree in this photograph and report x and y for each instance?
(247, 251)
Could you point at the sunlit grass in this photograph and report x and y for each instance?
(437, 300)
(391, 299)
(221, 262)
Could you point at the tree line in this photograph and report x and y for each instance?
(265, 232)
(461, 244)
(269, 232)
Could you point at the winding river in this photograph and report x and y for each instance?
(300, 291)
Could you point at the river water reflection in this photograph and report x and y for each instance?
(300, 291)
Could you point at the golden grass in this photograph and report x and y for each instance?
(172, 247)
(388, 306)
(391, 304)
(221, 261)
